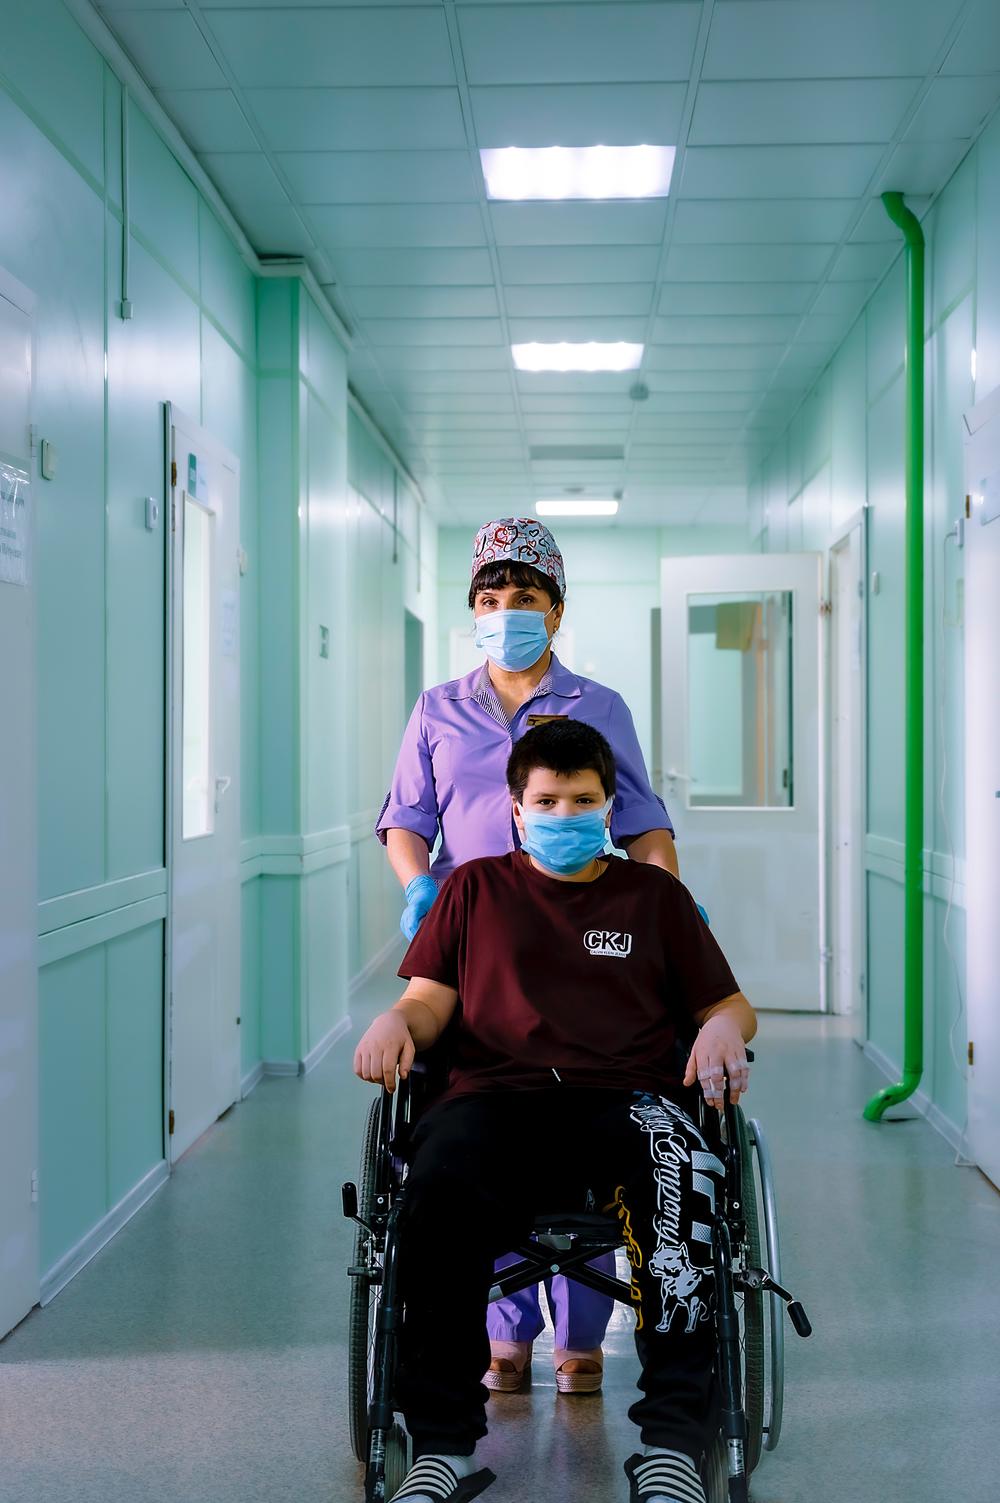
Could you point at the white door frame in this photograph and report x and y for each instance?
(854, 531)
(174, 416)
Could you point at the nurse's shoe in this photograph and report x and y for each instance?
(510, 1365)
(579, 1372)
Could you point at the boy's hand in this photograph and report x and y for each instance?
(386, 1045)
(719, 1049)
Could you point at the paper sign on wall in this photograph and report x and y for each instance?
(15, 525)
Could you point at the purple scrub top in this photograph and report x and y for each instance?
(452, 765)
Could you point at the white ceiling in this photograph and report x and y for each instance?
(350, 134)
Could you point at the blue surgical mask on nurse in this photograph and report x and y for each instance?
(514, 640)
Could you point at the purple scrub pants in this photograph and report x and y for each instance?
(580, 1316)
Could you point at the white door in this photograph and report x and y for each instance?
(982, 780)
(204, 928)
(741, 759)
(18, 824)
(846, 781)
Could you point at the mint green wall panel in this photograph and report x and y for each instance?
(325, 463)
(324, 358)
(987, 261)
(250, 1049)
(279, 967)
(36, 231)
(885, 971)
(163, 201)
(112, 139)
(134, 1057)
(816, 431)
(278, 589)
(950, 233)
(227, 284)
(816, 510)
(793, 525)
(72, 1101)
(848, 428)
(276, 299)
(59, 79)
(886, 331)
(324, 906)
(885, 616)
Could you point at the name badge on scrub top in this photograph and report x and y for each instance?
(544, 719)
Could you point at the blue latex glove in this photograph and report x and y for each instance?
(420, 894)
(703, 913)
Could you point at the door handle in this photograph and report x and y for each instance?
(221, 787)
(680, 777)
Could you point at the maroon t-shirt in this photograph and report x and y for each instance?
(592, 980)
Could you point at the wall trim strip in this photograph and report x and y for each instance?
(105, 897)
(74, 938)
(70, 1264)
(318, 1051)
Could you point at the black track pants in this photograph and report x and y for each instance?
(482, 1167)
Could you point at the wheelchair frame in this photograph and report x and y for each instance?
(565, 1244)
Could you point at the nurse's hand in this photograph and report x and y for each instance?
(420, 894)
(384, 1047)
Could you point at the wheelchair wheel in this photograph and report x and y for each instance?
(750, 1304)
(773, 1307)
(715, 1477)
(397, 1460)
(363, 1311)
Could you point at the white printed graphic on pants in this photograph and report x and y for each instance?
(685, 1285)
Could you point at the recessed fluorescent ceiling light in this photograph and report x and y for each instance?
(516, 172)
(576, 508)
(577, 357)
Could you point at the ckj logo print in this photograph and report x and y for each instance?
(608, 942)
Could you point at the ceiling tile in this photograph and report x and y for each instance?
(863, 263)
(274, 229)
(978, 45)
(358, 46)
(576, 330)
(579, 114)
(831, 328)
(444, 225)
(584, 224)
(917, 167)
(734, 297)
(607, 43)
(610, 425)
(445, 425)
(705, 401)
(800, 112)
(454, 404)
(543, 434)
(579, 299)
(751, 221)
(582, 405)
(209, 119)
(843, 298)
(704, 380)
(546, 383)
(746, 263)
(826, 38)
(166, 46)
(424, 302)
(422, 390)
(443, 358)
(778, 171)
(428, 119)
(955, 108)
(528, 265)
(433, 331)
(379, 177)
(721, 357)
(736, 330)
(413, 267)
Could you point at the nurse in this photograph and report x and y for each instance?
(450, 780)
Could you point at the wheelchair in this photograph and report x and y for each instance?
(749, 1296)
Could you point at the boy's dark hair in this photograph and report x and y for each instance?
(496, 576)
(563, 747)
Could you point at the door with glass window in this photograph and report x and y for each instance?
(741, 760)
(204, 818)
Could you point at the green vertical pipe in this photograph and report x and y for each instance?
(913, 899)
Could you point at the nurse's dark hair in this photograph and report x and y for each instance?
(563, 747)
(505, 572)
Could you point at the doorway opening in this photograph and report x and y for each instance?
(845, 845)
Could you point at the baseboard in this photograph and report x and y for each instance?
(312, 1059)
(251, 1078)
(280, 1067)
(70, 1264)
(927, 1108)
(379, 959)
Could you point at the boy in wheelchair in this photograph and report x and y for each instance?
(565, 978)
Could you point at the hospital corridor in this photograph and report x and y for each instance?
(499, 772)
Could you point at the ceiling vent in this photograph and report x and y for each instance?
(560, 452)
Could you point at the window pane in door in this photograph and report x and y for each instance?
(196, 670)
(740, 700)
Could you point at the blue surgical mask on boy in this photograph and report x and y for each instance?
(565, 843)
(514, 640)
